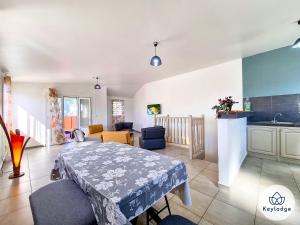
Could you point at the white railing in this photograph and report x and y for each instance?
(185, 131)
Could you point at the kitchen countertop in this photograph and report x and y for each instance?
(269, 123)
(233, 114)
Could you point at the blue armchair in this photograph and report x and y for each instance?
(153, 138)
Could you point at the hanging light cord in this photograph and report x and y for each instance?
(155, 45)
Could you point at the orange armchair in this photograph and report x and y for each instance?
(123, 137)
(95, 130)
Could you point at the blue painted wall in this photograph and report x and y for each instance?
(276, 72)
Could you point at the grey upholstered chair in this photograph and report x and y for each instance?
(176, 220)
(61, 203)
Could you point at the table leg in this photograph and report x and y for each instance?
(152, 213)
(168, 206)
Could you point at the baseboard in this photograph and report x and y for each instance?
(178, 145)
(136, 131)
(35, 146)
(262, 156)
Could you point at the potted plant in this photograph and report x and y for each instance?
(225, 105)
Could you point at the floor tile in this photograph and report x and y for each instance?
(220, 213)
(5, 182)
(200, 202)
(266, 181)
(14, 190)
(199, 164)
(182, 158)
(276, 169)
(40, 182)
(297, 178)
(192, 171)
(204, 185)
(212, 175)
(204, 222)
(253, 161)
(241, 197)
(14, 203)
(19, 217)
(263, 221)
(295, 168)
(212, 167)
(41, 170)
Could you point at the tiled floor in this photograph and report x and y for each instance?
(211, 204)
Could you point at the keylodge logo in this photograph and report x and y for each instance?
(276, 199)
(276, 202)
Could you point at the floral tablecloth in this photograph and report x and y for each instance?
(122, 181)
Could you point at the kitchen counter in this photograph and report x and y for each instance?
(278, 124)
(232, 147)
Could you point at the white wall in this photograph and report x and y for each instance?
(194, 94)
(128, 109)
(30, 106)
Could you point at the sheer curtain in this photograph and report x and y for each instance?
(56, 124)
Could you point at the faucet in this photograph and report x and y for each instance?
(275, 116)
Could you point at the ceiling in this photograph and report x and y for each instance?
(72, 41)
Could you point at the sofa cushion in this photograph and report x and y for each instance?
(117, 136)
(124, 126)
(118, 126)
(127, 125)
(61, 203)
(96, 128)
(96, 135)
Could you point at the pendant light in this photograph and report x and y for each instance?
(297, 42)
(155, 60)
(97, 86)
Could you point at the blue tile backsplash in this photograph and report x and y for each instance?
(267, 106)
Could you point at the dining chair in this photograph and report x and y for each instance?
(153, 214)
(175, 220)
(61, 203)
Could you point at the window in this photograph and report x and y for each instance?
(117, 111)
(118, 107)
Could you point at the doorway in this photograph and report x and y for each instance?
(76, 114)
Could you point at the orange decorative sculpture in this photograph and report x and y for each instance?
(15, 142)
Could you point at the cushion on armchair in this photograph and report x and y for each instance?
(157, 132)
(117, 136)
(95, 130)
(153, 138)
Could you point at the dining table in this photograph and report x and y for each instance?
(122, 181)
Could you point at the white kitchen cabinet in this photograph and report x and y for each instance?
(290, 143)
(262, 139)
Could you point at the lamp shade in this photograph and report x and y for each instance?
(17, 147)
(296, 44)
(97, 86)
(155, 61)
